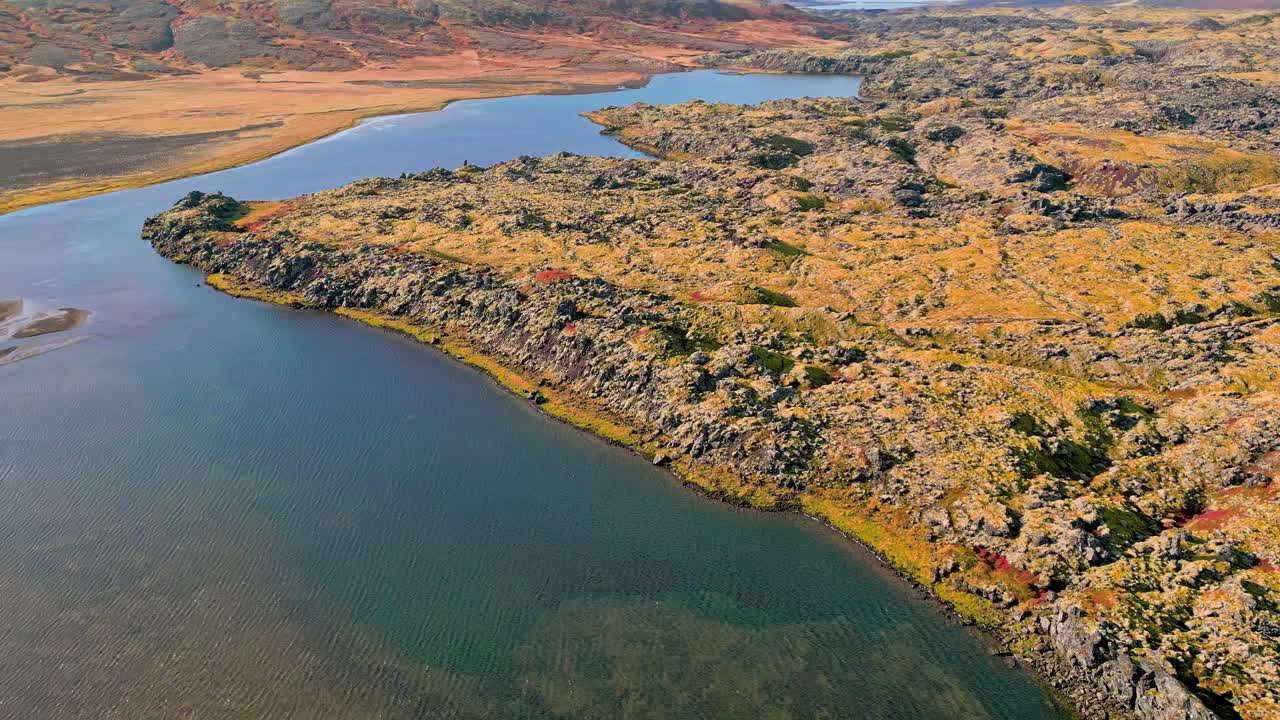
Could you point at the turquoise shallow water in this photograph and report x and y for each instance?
(215, 508)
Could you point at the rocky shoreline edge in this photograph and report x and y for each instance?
(593, 378)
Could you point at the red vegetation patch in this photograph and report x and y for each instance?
(993, 558)
(697, 296)
(1210, 519)
(1002, 568)
(546, 277)
(640, 333)
(570, 328)
(1266, 566)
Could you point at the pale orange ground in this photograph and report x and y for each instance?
(308, 105)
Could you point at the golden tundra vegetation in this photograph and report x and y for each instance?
(1012, 318)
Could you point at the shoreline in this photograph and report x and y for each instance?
(66, 191)
(563, 406)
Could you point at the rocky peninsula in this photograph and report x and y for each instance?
(1012, 319)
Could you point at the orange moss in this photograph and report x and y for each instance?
(1100, 598)
(260, 213)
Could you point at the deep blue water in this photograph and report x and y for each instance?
(217, 508)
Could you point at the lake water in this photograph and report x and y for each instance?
(217, 508)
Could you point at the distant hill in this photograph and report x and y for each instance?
(128, 39)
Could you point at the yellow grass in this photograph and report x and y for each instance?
(1264, 77)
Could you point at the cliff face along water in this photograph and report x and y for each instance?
(219, 508)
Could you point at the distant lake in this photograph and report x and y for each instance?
(217, 508)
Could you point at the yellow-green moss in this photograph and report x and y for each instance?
(231, 286)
